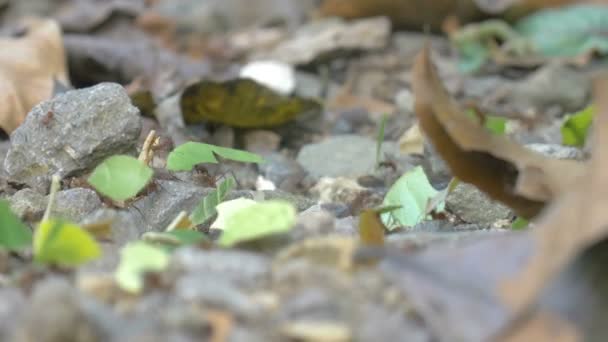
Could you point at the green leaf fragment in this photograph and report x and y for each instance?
(575, 129)
(205, 209)
(412, 192)
(380, 139)
(136, 259)
(120, 177)
(186, 156)
(257, 221)
(14, 234)
(64, 243)
(519, 223)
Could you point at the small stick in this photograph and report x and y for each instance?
(55, 184)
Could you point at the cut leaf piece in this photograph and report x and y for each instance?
(63, 243)
(412, 192)
(175, 238)
(226, 209)
(120, 177)
(186, 156)
(206, 208)
(14, 234)
(136, 259)
(257, 221)
(575, 128)
(508, 172)
(241, 102)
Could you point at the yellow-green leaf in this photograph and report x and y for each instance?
(136, 259)
(257, 221)
(64, 243)
(575, 128)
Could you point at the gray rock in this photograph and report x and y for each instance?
(71, 204)
(261, 141)
(125, 226)
(12, 301)
(245, 269)
(217, 292)
(342, 155)
(28, 204)
(313, 222)
(558, 151)
(75, 204)
(300, 202)
(474, 206)
(86, 126)
(73, 318)
(437, 170)
(284, 172)
(160, 207)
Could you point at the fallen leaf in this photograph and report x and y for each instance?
(207, 207)
(257, 221)
(136, 259)
(241, 102)
(412, 142)
(371, 228)
(226, 209)
(548, 283)
(574, 129)
(29, 67)
(186, 156)
(506, 171)
(413, 14)
(14, 234)
(412, 192)
(63, 243)
(120, 177)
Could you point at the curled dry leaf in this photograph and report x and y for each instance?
(508, 172)
(29, 67)
(546, 284)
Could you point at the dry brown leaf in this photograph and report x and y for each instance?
(29, 67)
(412, 141)
(575, 222)
(413, 14)
(507, 171)
(545, 284)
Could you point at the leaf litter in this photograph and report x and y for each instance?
(319, 271)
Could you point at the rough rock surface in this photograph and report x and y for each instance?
(72, 132)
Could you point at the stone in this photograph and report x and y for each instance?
(56, 312)
(75, 204)
(12, 302)
(436, 169)
(284, 172)
(159, 208)
(244, 269)
(216, 291)
(71, 204)
(28, 204)
(558, 151)
(261, 141)
(72, 133)
(345, 190)
(474, 206)
(329, 35)
(342, 156)
(312, 222)
(126, 227)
